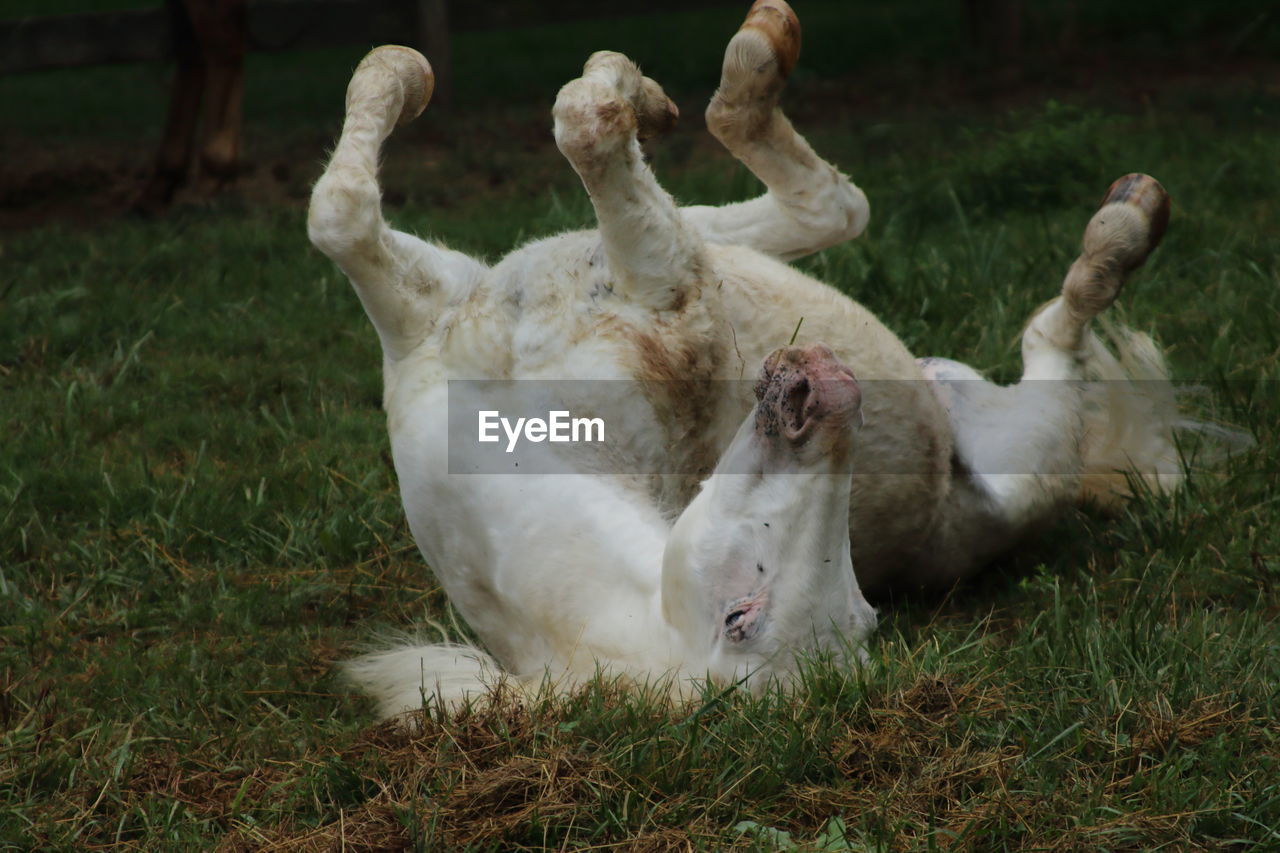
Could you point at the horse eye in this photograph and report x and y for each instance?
(734, 618)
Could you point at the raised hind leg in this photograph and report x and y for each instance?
(809, 204)
(404, 283)
(1026, 449)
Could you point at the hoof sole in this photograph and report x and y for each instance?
(777, 22)
(1144, 194)
(412, 70)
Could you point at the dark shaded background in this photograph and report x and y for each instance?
(76, 144)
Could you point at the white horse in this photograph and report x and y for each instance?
(719, 535)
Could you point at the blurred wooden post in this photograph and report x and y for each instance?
(433, 40)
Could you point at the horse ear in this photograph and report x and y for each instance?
(714, 581)
(684, 600)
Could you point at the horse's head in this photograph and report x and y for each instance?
(758, 568)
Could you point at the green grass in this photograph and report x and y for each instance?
(198, 518)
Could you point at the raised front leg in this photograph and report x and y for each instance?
(809, 204)
(403, 282)
(599, 120)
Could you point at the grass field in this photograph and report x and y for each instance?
(198, 516)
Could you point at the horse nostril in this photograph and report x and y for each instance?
(745, 617)
(797, 398)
